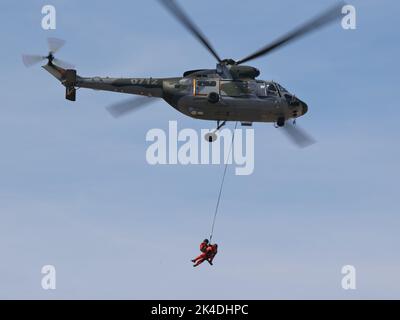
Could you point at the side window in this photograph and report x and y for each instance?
(261, 89)
(234, 88)
(206, 83)
(204, 87)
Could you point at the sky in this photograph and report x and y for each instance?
(77, 193)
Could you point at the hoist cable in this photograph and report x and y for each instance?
(222, 185)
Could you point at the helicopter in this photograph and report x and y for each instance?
(228, 92)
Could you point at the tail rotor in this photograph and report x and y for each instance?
(54, 45)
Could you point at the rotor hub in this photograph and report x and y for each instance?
(50, 57)
(228, 62)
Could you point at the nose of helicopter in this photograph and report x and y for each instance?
(304, 107)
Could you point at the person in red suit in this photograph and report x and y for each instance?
(208, 253)
(212, 251)
(204, 245)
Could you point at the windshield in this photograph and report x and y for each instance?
(282, 89)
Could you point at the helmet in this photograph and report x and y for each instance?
(206, 241)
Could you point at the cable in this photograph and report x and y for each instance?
(222, 185)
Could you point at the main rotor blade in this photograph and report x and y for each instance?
(181, 16)
(123, 108)
(298, 136)
(55, 44)
(63, 64)
(325, 18)
(30, 60)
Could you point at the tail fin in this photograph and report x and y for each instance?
(69, 83)
(66, 76)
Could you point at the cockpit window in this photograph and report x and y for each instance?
(266, 89)
(271, 90)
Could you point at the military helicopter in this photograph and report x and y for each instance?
(229, 92)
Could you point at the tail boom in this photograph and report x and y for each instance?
(139, 86)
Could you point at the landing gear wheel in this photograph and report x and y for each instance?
(281, 122)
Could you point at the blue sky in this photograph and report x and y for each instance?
(76, 191)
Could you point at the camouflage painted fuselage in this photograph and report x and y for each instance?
(203, 94)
